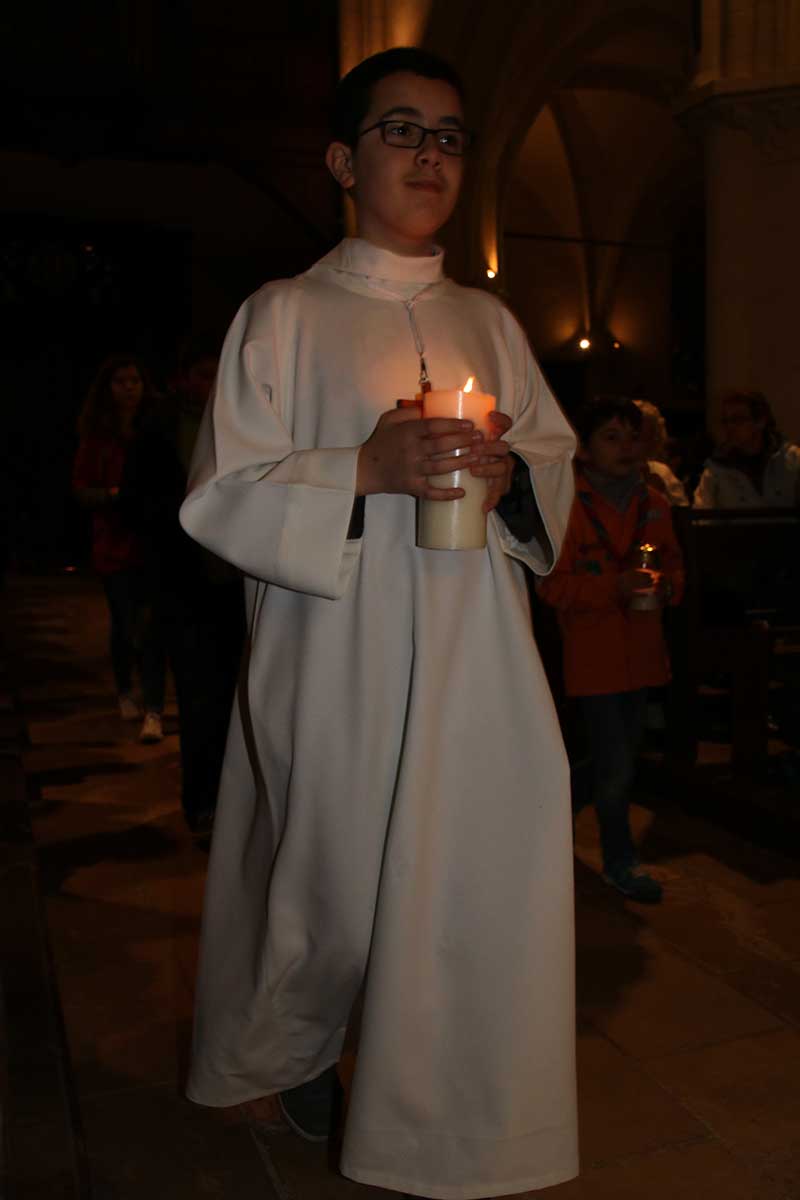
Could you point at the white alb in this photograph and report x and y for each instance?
(394, 807)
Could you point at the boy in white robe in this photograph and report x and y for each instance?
(394, 813)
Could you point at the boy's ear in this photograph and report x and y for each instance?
(339, 161)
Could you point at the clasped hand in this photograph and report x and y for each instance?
(641, 579)
(405, 450)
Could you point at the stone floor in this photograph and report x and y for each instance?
(688, 1040)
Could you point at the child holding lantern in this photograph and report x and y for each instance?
(375, 832)
(609, 599)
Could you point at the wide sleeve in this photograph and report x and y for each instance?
(543, 439)
(277, 512)
(705, 494)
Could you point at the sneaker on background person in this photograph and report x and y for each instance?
(152, 730)
(128, 708)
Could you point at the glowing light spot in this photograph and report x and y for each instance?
(490, 273)
(616, 346)
(468, 385)
(584, 343)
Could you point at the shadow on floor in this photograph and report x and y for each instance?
(139, 843)
(739, 820)
(68, 776)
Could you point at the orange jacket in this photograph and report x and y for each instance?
(607, 646)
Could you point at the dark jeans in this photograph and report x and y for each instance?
(614, 725)
(136, 637)
(205, 636)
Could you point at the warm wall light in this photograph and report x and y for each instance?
(616, 346)
(584, 343)
(490, 274)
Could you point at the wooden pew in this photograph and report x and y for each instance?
(742, 587)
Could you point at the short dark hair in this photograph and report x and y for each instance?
(354, 92)
(601, 409)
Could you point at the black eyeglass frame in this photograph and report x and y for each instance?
(424, 131)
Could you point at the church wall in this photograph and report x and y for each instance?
(753, 271)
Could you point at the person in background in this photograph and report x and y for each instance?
(199, 598)
(654, 452)
(613, 650)
(755, 466)
(106, 427)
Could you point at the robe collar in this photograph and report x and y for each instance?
(363, 267)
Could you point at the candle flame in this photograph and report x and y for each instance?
(468, 385)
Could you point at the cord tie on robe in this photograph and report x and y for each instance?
(424, 378)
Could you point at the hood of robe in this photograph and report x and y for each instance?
(360, 266)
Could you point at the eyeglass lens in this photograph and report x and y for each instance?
(411, 136)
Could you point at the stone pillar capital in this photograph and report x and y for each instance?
(769, 113)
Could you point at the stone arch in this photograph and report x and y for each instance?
(509, 96)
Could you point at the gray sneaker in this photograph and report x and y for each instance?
(152, 730)
(128, 708)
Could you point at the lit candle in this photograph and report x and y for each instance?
(456, 524)
(646, 558)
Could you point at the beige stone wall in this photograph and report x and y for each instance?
(745, 107)
(753, 270)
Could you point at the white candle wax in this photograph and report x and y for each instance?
(456, 524)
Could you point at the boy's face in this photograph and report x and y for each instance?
(613, 450)
(403, 196)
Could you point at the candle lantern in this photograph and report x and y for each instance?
(456, 524)
(645, 557)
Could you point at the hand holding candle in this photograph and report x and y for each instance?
(496, 463)
(641, 584)
(460, 524)
(405, 451)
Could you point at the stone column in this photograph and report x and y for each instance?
(368, 26)
(753, 248)
(746, 106)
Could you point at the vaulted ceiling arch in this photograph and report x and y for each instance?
(514, 58)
